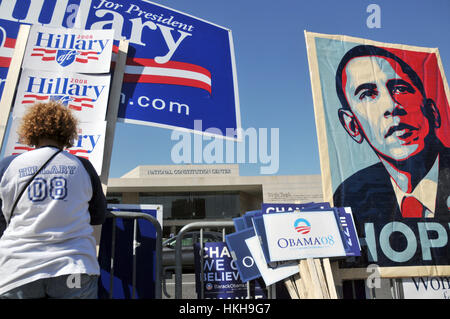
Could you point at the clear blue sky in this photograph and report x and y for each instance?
(272, 68)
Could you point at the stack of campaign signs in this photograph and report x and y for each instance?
(69, 66)
(269, 242)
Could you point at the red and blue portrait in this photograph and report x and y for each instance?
(382, 116)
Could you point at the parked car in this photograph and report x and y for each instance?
(187, 249)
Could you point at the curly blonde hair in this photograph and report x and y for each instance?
(50, 120)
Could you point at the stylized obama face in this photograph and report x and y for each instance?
(384, 107)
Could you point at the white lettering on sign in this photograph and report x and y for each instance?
(427, 242)
(173, 32)
(159, 104)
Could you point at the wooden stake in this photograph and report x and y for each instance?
(315, 281)
(292, 290)
(308, 287)
(322, 280)
(301, 288)
(329, 278)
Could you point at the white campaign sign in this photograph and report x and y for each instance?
(85, 95)
(426, 288)
(269, 275)
(90, 142)
(68, 50)
(300, 235)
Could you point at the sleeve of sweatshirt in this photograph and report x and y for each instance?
(4, 164)
(97, 204)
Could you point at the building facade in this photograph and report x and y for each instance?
(208, 192)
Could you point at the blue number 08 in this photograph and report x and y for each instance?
(40, 189)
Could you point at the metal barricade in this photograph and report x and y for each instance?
(158, 252)
(178, 246)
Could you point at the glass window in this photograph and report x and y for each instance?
(113, 198)
(193, 205)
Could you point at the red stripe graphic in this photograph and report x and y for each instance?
(6, 52)
(50, 55)
(177, 73)
(35, 97)
(45, 54)
(48, 51)
(165, 80)
(303, 229)
(9, 43)
(21, 149)
(84, 57)
(74, 152)
(169, 65)
(85, 60)
(88, 52)
(76, 104)
(4, 62)
(80, 101)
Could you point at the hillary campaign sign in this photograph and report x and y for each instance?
(383, 125)
(68, 50)
(86, 95)
(179, 68)
(89, 144)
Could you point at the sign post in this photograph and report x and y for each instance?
(12, 78)
(113, 107)
(111, 118)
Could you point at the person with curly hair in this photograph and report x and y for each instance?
(47, 246)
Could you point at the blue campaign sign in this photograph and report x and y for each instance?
(221, 278)
(241, 254)
(180, 70)
(248, 217)
(239, 223)
(281, 208)
(123, 254)
(348, 231)
(260, 230)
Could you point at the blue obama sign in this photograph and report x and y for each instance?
(180, 70)
(221, 278)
